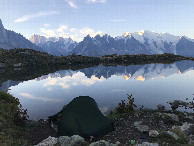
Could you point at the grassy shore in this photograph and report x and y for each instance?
(16, 129)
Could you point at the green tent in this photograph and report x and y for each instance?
(82, 117)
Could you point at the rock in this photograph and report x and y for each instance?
(74, 140)
(174, 117)
(2, 65)
(191, 138)
(190, 117)
(64, 140)
(174, 135)
(102, 143)
(82, 117)
(117, 143)
(143, 128)
(148, 144)
(185, 126)
(153, 133)
(17, 65)
(50, 141)
(138, 123)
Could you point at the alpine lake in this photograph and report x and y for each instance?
(150, 85)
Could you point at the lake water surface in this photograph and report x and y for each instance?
(150, 84)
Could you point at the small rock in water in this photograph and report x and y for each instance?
(153, 133)
(50, 141)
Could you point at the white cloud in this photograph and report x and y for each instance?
(46, 25)
(74, 33)
(72, 4)
(48, 32)
(30, 96)
(62, 28)
(118, 20)
(73, 29)
(91, 32)
(39, 14)
(97, 1)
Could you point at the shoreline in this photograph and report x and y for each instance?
(128, 126)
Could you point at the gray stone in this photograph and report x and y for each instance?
(185, 126)
(143, 128)
(137, 123)
(191, 138)
(117, 143)
(153, 133)
(174, 117)
(50, 141)
(140, 127)
(17, 65)
(148, 144)
(174, 135)
(102, 143)
(77, 139)
(74, 140)
(64, 140)
(2, 65)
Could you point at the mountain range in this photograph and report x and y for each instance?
(55, 46)
(11, 40)
(143, 72)
(141, 42)
(139, 72)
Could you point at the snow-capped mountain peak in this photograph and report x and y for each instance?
(54, 45)
(127, 34)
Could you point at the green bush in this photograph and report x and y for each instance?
(126, 108)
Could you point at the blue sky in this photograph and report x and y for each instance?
(77, 18)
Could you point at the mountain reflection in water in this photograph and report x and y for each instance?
(150, 84)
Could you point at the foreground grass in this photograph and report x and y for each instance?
(10, 116)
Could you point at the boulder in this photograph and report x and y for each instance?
(187, 128)
(82, 117)
(50, 141)
(74, 140)
(141, 128)
(174, 117)
(153, 133)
